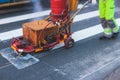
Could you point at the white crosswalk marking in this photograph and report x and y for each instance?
(23, 17)
(27, 16)
(10, 34)
(86, 15)
(18, 32)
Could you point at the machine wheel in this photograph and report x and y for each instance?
(48, 49)
(69, 42)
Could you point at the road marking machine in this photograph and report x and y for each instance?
(45, 34)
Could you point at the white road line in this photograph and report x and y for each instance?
(27, 16)
(102, 67)
(23, 17)
(86, 15)
(18, 32)
(2, 67)
(88, 32)
(10, 34)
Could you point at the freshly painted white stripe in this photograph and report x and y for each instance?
(27, 16)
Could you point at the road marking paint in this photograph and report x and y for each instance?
(4, 66)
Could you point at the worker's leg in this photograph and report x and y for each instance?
(102, 10)
(109, 15)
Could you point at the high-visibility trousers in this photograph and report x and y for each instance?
(106, 11)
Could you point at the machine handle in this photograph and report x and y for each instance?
(74, 14)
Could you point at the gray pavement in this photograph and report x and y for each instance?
(89, 59)
(114, 75)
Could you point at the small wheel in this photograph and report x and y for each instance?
(48, 49)
(69, 42)
(24, 54)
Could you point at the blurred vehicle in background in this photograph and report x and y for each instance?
(3, 1)
(6, 3)
(11, 1)
(45, 3)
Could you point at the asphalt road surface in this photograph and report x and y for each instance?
(89, 59)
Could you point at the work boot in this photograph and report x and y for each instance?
(115, 35)
(115, 32)
(107, 34)
(105, 37)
